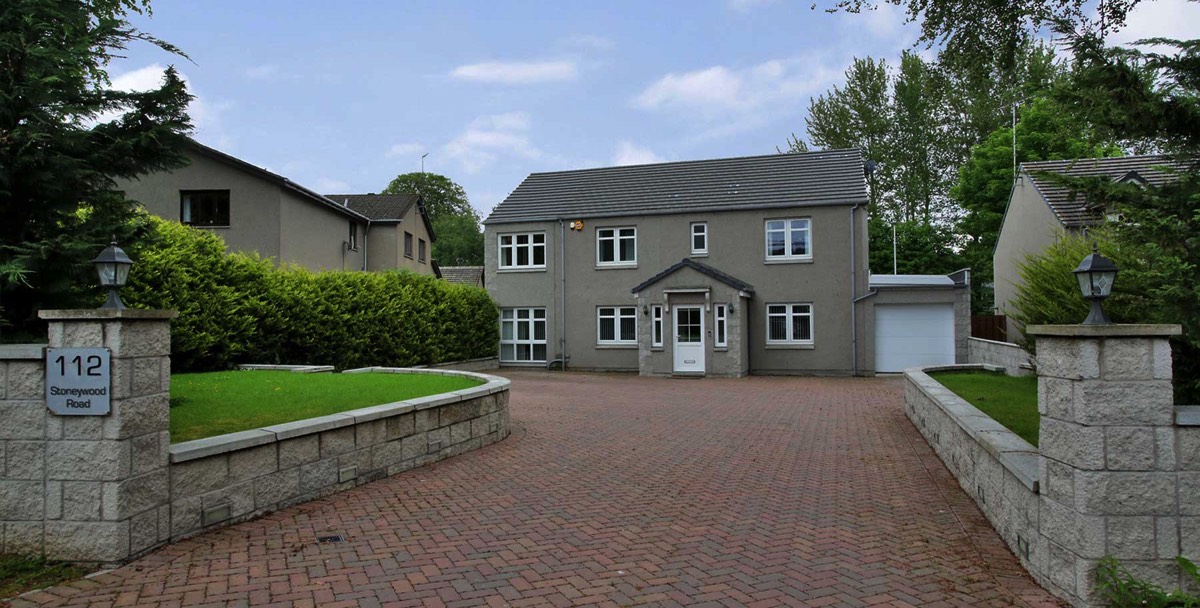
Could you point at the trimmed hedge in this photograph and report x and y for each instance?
(237, 308)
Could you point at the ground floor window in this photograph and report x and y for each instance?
(721, 323)
(658, 325)
(523, 335)
(789, 324)
(616, 325)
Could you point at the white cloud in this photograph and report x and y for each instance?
(517, 72)
(332, 186)
(206, 113)
(1162, 19)
(743, 6)
(488, 138)
(405, 149)
(739, 98)
(629, 153)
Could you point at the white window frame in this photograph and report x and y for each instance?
(721, 325)
(618, 314)
(789, 315)
(703, 233)
(614, 235)
(531, 320)
(656, 325)
(788, 231)
(352, 245)
(530, 246)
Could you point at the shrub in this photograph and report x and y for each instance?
(1120, 589)
(1148, 289)
(237, 308)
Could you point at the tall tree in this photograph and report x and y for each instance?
(59, 156)
(455, 222)
(855, 115)
(1046, 131)
(919, 164)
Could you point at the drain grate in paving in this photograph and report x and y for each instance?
(335, 538)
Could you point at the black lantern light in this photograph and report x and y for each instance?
(113, 267)
(1096, 275)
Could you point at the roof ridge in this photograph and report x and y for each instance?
(835, 151)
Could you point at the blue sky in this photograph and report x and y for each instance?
(342, 97)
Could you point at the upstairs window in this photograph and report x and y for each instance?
(616, 246)
(352, 243)
(204, 208)
(421, 250)
(523, 251)
(699, 233)
(408, 247)
(789, 239)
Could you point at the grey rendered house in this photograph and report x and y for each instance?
(255, 210)
(715, 267)
(1040, 210)
(398, 233)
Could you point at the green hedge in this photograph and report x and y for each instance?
(237, 308)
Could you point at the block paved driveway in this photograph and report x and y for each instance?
(615, 491)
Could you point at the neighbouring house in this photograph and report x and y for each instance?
(255, 210)
(1041, 209)
(399, 234)
(464, 275)
(713, 267)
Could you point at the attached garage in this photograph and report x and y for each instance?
(919, 320)
(908, 335)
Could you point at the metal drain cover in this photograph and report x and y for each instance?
(336, 538)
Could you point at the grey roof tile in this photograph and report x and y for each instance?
(833, 177)
(1072, 210)
(378, 207)
(463, 275)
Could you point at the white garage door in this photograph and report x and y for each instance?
(908, 335)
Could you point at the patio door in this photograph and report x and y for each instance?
(689, 339)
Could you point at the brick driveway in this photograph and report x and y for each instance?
(617, 491)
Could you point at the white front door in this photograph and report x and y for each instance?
(689, 339)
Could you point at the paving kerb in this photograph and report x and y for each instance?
(618, 490)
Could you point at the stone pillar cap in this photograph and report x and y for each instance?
(1116, 330)
(104, 314)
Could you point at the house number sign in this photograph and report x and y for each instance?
(79, 381)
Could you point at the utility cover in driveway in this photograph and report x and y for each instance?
(909, 335)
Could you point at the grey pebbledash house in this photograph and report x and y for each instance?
(715, 267)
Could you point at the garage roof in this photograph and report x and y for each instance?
(910, 280)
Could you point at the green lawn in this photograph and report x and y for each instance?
(1008, 400)
(203, 405)
(20, 574)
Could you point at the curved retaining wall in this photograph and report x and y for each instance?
(221, 480)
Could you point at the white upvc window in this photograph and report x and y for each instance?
(789, 324)
(699, 234)
(616, 246)
(523, 251)
(657, 321)
(523, 335)
(789, 239)
(616, 325)
(721, 322)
